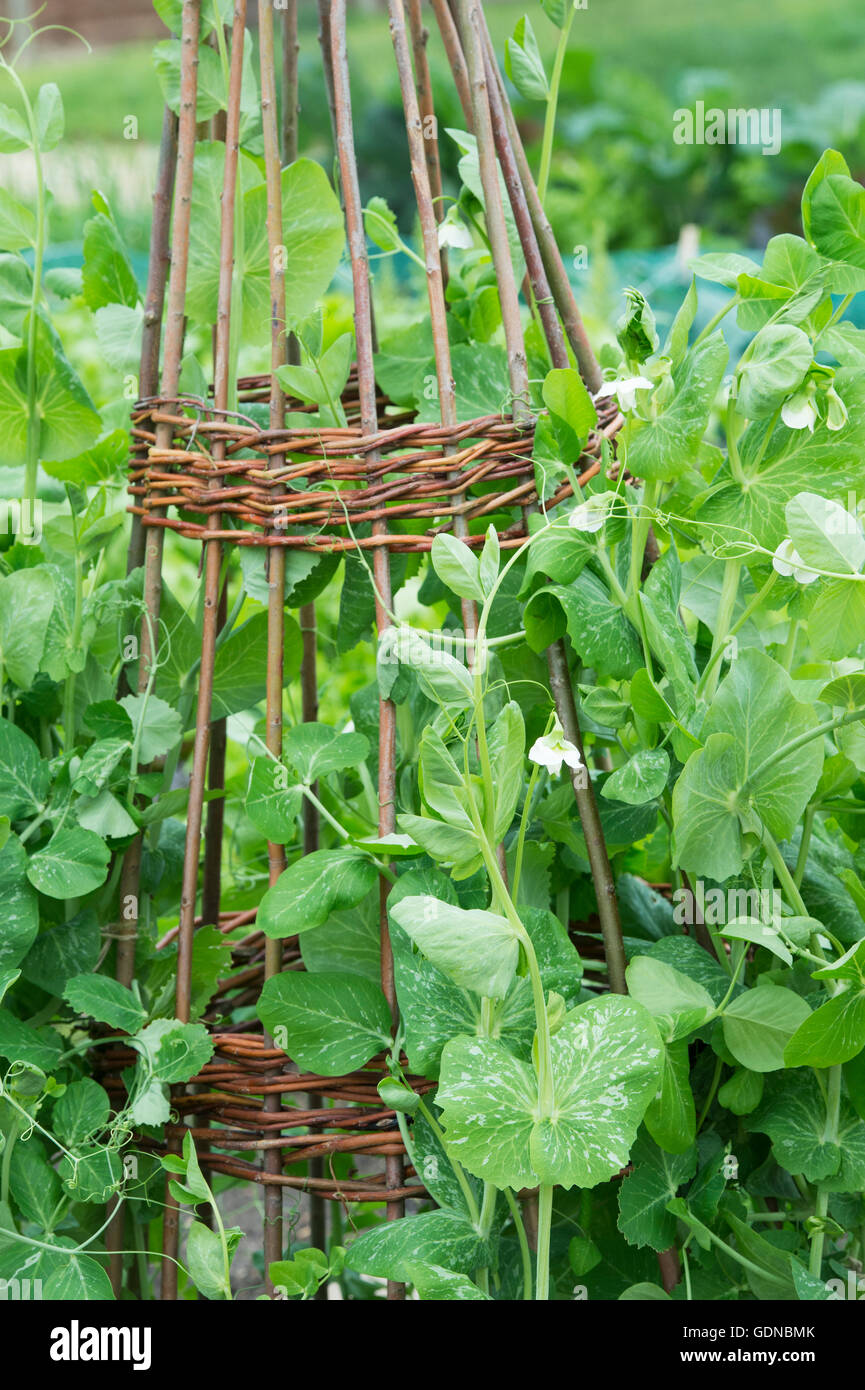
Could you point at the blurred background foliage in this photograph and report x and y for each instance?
(620, 186)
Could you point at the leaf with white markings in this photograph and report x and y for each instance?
(606, 1060)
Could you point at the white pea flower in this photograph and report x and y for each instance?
(800, 412)
(553, 749)
(625, 390)
(591, 514)
(836, 410)
(454, 232)
(787, 561)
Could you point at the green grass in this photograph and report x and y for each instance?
(775, 53)
(776, 49)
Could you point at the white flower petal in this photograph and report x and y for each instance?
(552, 749)
(572, 756)
(789, 563)
(453, 232)
(799, 414)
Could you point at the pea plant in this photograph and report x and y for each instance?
(693, 1130)
(710, 583)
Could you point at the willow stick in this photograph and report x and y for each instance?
(471, 21)
(148, 382)
(429, 125)
(540, 285)
(212, 547)
(306, 615)
(454, 50)
(324, 39)
(290, 89)
(154, 295)
(473, 28)
(175, 325)
(590, 820)
(273, 1215)
(211, 877)
(381, 564)
(433, 266)
(557, 275)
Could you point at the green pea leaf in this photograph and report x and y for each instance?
(604, 706)
(644, 1194)
(457, 566)
(836, 623)
(312, 888)
(48, 115)
(17, 223)
(825, 534)
(23, 775)
(92, 1176)
(73, 863)
(679, 1005)
(107, 277)
(205, 1260)
(37, 1047)
(641, 779)
(571, 409)
(599, 630)
(27, 598)
(14, 131)
(830, 162)
(379, 221)
(160, 725)
(743, 1092)
(666, 446)
(727, 776)
(81, 1112)
(271, 804)
(176, 1051)
(834, 1033)
(68, 949)
(210, 93)
(723, 267)
(434, 1238)
(312, 233)
(80, 1279)
(314, 750)
(760, 933)
(118, 333)
(791, 277)
(837, 212)
(774, 365)
(20, 905)
(606, 1061)
(793, 1114)
(523, 63)
(507, 741)
(760, 1023)
(34, 1184)
(106, 1000)
(329, 1023)
(477, 950)
(436, 1284)
(671, 1118)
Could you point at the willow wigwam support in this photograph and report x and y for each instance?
(383, 484)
